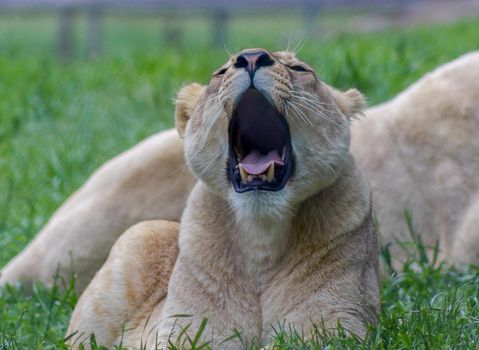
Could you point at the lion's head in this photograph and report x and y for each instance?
(266, 132)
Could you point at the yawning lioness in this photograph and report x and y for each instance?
(278, 229)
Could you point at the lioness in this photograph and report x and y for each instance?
(419, 152)
(278, 228)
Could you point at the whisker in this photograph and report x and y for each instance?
(215, 110)
(324, 116)
(304, 93)
(287, 108)
(312, 103)
(300, 44)
(300, 113)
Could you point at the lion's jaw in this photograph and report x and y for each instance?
(316, 135)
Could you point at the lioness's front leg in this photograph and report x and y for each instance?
(226, 304)
(130, 286)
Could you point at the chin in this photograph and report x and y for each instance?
(262, 205)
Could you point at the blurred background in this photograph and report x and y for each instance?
(87, 28)
(82, 80)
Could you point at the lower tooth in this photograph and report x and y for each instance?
(270, 173)
(244, 174)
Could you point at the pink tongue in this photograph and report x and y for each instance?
(255, 163)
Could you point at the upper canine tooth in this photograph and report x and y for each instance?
(283, 156)
(270, 173)
(243, 173)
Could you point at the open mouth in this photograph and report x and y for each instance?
(260, 145)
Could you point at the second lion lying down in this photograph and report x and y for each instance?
(277, 230)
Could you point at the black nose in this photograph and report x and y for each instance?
(252, 60)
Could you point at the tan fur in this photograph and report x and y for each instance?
(350, 102)
(136, 184)
(131, 283)
(303, 256)
(186, 101)
(419, 151)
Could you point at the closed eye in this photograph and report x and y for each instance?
(221, 71)
(299, 68)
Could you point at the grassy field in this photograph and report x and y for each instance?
(59, 122)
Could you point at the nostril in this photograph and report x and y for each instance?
(255, 59)
(264, 60)
(241, 62)
(252, 60)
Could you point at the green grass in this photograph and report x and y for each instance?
(59, 122)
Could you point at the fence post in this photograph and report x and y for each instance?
(65, 33)
(94, 17)
(171, 28)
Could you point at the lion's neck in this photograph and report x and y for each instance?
(253, 244)
(333, 211)
(261, 242)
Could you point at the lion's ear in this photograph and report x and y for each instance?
(350, 102)
(186, 101)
